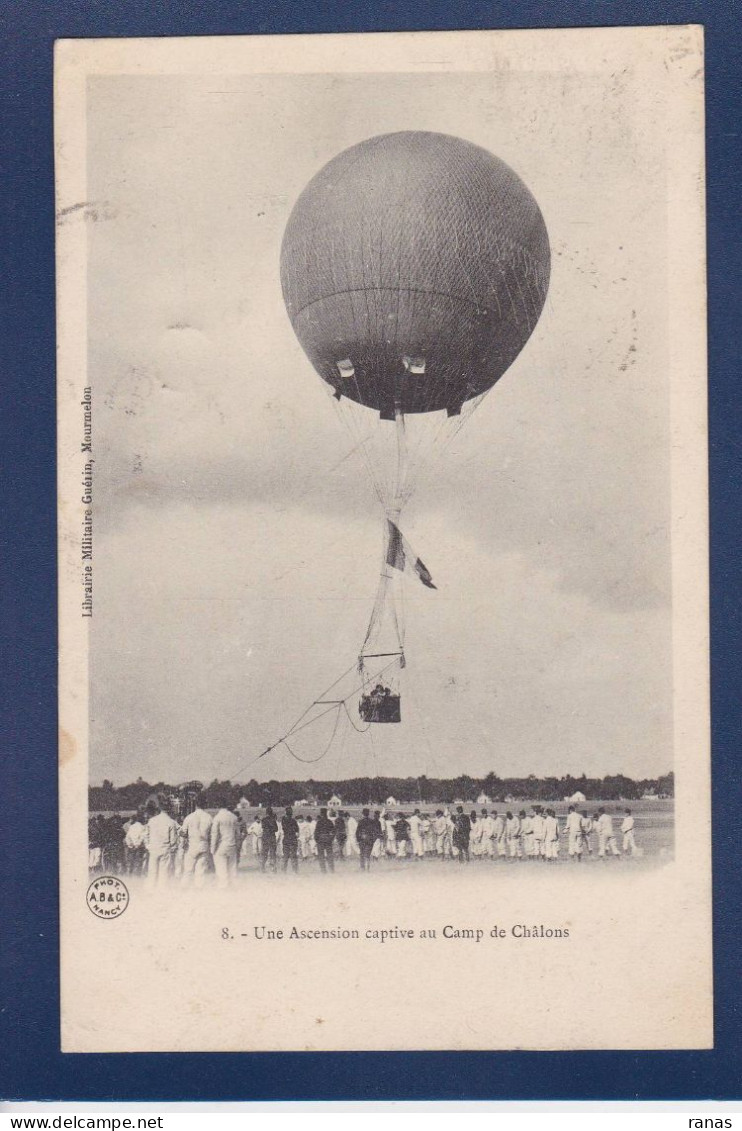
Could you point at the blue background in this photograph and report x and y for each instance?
(32, 1065)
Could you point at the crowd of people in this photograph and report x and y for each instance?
(153, 843)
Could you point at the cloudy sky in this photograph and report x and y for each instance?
(237, 536)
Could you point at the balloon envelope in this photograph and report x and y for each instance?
(414, 268)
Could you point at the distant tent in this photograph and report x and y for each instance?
(390, 802)
(483, 799)
(577, 798)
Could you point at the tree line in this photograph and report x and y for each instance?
(418, 790)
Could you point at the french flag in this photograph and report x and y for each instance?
(400, 555)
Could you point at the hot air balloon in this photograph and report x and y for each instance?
(414, 268)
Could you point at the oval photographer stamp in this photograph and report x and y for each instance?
(108, 897)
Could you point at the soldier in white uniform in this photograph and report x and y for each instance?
(313, 826)
(255, 836)
(306, 837)
(415, 834)
(586, 824)
(426, 834)
(476, 829)
(512, 832)
(440, 831)
(551, 835)
(498, 834)
(390, 837)
(351, 844)
(135, 852)
(378, 848)
(196, 833)
(606, 839)
(537, 826)
(627, 828)
(161, 841)
(573, 829)
(526, 832)
(488, 828)
(225, 844)
(451, 846)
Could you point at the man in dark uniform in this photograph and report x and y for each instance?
(366, 834)
(402, 834)
(341, 833)
(461, 834)
(113, 844)
(290, 827)
(324, 834)
(268, 845)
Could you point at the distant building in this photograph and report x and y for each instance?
(650, 797)
(390, 802)
(483, 799)
(577, 798)
(335, 801)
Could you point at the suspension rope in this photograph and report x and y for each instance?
(335, 706)
(351, 720)
(326, 751)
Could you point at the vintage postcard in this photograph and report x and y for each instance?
(383, 542)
